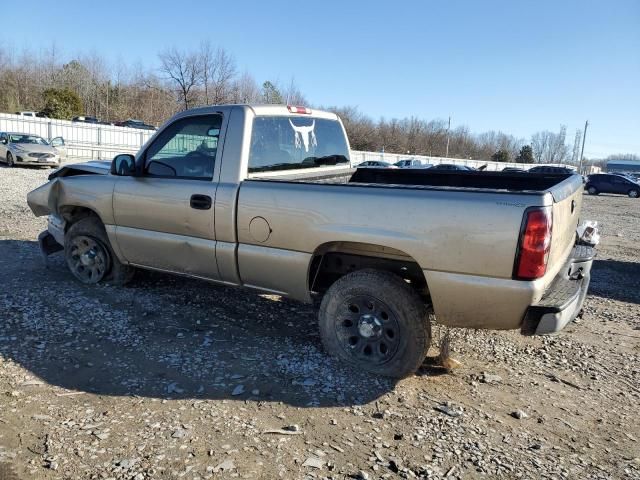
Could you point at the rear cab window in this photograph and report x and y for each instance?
(296, 142)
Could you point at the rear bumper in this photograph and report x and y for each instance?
(562, 301)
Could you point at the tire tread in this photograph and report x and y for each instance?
(393, 290)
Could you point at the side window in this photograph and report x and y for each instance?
(185, 149)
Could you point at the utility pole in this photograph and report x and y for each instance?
(448, 130)
(584, 137)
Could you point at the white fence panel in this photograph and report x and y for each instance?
(83, 140)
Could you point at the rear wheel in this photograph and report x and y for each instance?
(89, 255)
(10, 161)
(374, 321)
(592, 190)
(634, 193)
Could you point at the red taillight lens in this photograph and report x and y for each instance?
(535, 242)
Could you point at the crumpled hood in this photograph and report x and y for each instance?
(95, 167)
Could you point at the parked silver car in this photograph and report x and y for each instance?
(28, 149)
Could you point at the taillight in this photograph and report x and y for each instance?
(535, 243)
(293, 109)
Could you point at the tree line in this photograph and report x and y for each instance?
(209, 75)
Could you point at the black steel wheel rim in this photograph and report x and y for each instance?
(89, 259)
(367, 329)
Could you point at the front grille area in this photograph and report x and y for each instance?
(41, 155)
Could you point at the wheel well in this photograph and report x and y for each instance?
(334, 260)
(72, 214)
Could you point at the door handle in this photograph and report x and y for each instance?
(200, 202)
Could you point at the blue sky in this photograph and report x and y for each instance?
(514, 66)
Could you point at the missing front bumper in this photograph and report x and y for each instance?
(48, 245)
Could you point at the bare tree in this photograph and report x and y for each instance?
(362, 130)
(185, 70)
(218, 71)
(292, 94)
(549, 147)
(245, 89)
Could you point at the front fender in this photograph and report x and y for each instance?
(44, 200)
(94, 192)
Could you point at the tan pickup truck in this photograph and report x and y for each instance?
(265, 197)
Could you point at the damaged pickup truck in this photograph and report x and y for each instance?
(264, 197)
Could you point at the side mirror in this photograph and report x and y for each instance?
(4, 141)
(123, 165)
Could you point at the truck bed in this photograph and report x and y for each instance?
(560, 186)
(509, 181)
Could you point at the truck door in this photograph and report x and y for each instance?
(164, 216)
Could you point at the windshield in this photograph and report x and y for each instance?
(33, 139)
(282, 143)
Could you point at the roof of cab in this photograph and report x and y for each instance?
(260, 110)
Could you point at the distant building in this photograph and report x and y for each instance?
(632, 166)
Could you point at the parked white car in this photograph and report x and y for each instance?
(28, 149)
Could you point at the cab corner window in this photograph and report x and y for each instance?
(185, 149)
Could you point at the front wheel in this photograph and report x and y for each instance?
(634, 193)
(10, 161)
(374, 321)
(89, 255)
(592, 190)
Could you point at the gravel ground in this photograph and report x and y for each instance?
(174, 378)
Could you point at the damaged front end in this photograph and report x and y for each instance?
(59, 192)
(44, 200)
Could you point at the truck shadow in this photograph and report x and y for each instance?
(167, 337)
(615, 279)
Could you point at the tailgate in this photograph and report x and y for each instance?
(566, 209)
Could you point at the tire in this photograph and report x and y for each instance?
(633, 193)
(592, 190)
(10, 162)
(89, 255)
(374, 321)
